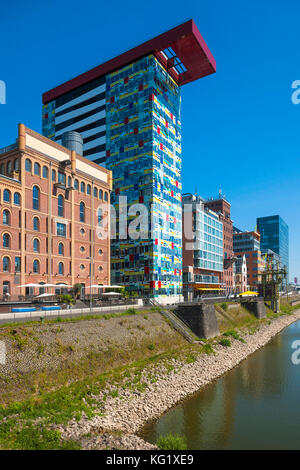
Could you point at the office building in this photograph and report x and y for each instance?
(128, 111)
(274, 234)
(223, 208)
(54, 204)
(202, 240)
(248, 244)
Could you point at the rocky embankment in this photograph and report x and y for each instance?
(125, 411)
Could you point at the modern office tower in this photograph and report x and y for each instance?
(202, 243)
(248, 244)
(274, 234)
(222, 207)
(128, 111)
(52, 211)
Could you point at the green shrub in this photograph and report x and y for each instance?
(224, 306)
(172, 442)
(131, 311)
(151, 347)
(208, 349)
(225, 342)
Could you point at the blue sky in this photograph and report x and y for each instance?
(240, 128)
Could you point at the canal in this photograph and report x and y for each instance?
(254, 406)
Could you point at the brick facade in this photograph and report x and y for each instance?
(49, 235)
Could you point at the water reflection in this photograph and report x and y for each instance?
(254, 406)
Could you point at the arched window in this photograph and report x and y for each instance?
(69, 181)
(106, 196)
(37, 169)
(61, 250)
(8, 167)
(60, 205)
(95, 192)
(16, 164)
(45, 172)
(36, 266)
(2, 169)
(76, 185)
(36, 245)
(88, 189)
(82, 187)
(53, 175)
(36, 224)
(82, 212)
(61, 268)
(35, 198)
(17, 199)
(28, 165)
(6, 264)
(100, 194)
(6, 240)
(6, 195)
(6, 217)
(99, 214)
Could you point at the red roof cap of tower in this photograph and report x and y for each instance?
(182, 50)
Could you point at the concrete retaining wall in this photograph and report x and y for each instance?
(257, 307)
(201, 318)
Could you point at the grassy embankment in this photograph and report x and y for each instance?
(30, 423)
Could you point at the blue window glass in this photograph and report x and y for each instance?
(6, 217)
(82, 212)
(82, 187)
(6, 196)
(60, 204)
(28, 165)
(17, 264)
(100, 194)
(36, 224)
(17, 199)
(37, 169)
(61, 249)
(61, 268)
(95, 192)
(36, 266)
(88, 189)
(36, 245)
(6, 240)
(35, 198)
(61, 230)
(5, 264)
(45, 172)
(76, 185)
(105, 196)
(99, 217)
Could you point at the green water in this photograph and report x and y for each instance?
(254, 406)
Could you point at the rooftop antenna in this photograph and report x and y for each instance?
(196, 191)
(220, 192)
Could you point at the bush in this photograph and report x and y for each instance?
(225, 342)
(151, 347)
(224, 306)
(131, 311)
(172, 442)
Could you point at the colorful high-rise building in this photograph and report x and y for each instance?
(128, 111)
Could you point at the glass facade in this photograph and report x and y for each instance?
(143, 150)
(208, 252)
(275, 236)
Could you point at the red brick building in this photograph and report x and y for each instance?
(223, 208)
(54, 205)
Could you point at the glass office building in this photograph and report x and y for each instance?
(274, 236)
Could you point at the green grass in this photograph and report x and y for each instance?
(225, 342)
(171, 442)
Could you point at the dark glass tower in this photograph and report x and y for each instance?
(274, 236)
